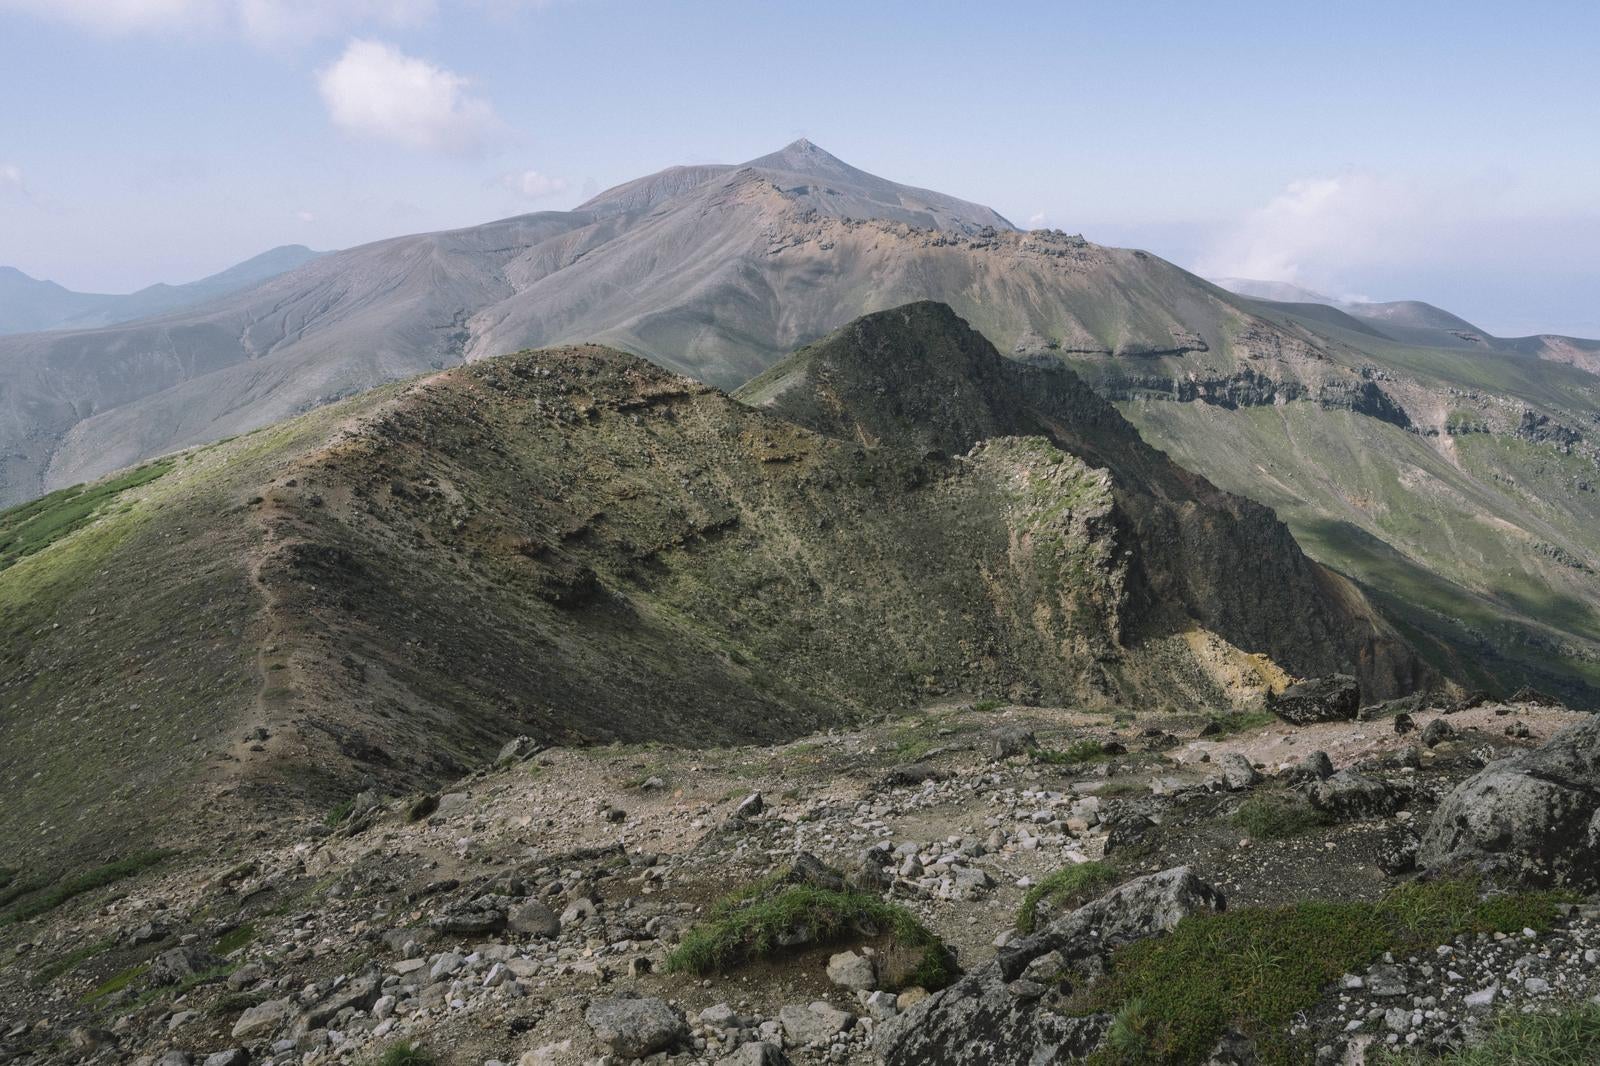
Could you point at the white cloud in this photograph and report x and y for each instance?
(11, 177)
(376, 91)
(264, 21)
(532, 185)
(118, 16)
(1319, 232)
(1037, 220)
(288, 20)
(305, 216)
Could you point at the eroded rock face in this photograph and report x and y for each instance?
(1005, 1014)
(1534, 817)
(1334, 698)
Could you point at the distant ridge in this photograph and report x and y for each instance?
(28, 304)
(1416, 322)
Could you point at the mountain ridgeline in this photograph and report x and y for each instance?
(28, 304)
(1453, 476)
(580, 546)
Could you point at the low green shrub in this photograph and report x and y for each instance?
(1081, 752)
(235, 938)
(405, 1053)
(34, 526)
(1227, 725)
(749, 924)
(1256, 968)
(1273, 816)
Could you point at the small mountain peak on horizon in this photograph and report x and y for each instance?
(803, 156)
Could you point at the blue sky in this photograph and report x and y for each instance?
(1444, 151)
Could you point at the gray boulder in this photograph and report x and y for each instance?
(261, 1019)
(1313, 768)
(852, 971)
(1236, 771)
(534, 919)
(755, 1053)
(1534, 817)
(807, 869)
(359, 993)
(1436, 732)
(474, 918)
(634, 1026)
(815, 1023)
(1011, 740)
(1334, 698)
(1000, 1015)
(179, 965)
(237, 1056)
(1349, 796)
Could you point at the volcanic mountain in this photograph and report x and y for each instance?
(717, 272)
(1452, 475)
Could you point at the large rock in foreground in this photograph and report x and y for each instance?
(1534, 817)
(634, 1026)
(1004, 1014)
(1334, 698)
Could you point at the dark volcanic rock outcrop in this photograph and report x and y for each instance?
(1319, 699)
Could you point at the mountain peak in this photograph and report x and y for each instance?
(804, 157)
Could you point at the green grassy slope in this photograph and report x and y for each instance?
(127, 657)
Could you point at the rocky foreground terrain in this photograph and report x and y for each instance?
(965, 883)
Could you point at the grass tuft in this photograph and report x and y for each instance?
(1132, 1033)
(339, 814)
(1226, 725)
(1273, 817)
(1075, 755)
(1068, 887)
(404, 1053)
(117, 982)
(235, 938)
(750, 924)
